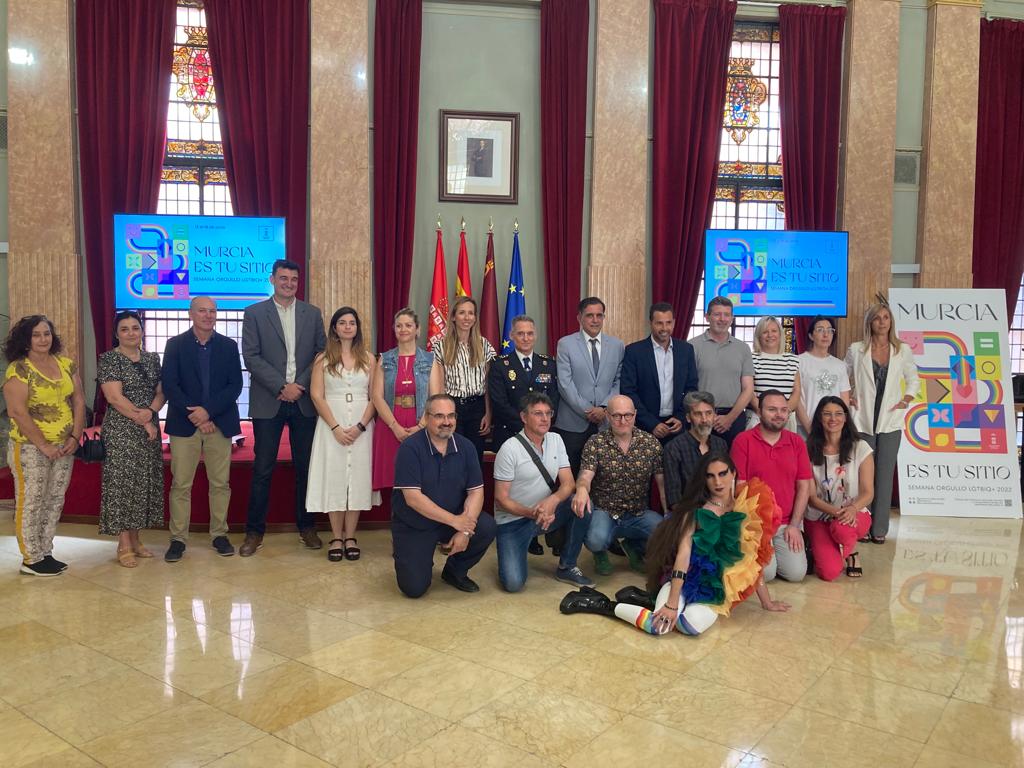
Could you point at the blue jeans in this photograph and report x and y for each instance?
(514, 539)
(636, 528)
(266, 439)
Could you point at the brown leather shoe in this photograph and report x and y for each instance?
(309, 539)
(253, 541)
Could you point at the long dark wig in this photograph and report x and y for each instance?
(664, 542)
(816, 439)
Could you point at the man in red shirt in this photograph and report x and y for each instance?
(779, 457)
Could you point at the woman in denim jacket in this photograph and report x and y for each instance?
(400, 391)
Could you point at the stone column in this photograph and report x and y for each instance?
(945, 231)
(44, 267)
(869, 145)
(339, 255)
(618, 265)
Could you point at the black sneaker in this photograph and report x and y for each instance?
(461, 583)
(174, 552)
(223, 546)
(43, 568)
(58, 563)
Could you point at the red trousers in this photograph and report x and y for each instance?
(827, 536)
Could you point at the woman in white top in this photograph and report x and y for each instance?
(885, 382)
(774, 369)
(340, 482)
(461, 360)
(821, 374)
(844, 472)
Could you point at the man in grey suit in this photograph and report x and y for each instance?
(280, 338)
(589, 363)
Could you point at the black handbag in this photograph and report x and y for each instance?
(91, 449)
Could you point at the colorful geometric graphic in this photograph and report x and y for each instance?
(959, 409)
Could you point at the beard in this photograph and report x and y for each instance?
(703, 431)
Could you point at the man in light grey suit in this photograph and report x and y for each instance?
(280, 338)
(589, 363)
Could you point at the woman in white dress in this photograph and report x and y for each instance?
(340, 481)
(774, 369)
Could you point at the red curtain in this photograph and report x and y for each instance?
(396, 104)
(691, 51)
(810, 96)
(123, 53)
(999, 180)
(259, 52)
(564, 29)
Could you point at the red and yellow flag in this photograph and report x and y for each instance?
(463, 283)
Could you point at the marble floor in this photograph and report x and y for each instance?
(285, 659)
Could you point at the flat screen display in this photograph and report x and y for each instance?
(777, 272)
(164, 261)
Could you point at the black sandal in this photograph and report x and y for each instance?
(877, 539)
(853, 570)
(351, 553)
(335, 554)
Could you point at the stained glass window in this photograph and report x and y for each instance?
(193, 180)
(749, 190)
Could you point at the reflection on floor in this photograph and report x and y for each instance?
(285, 659)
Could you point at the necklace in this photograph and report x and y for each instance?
(714, 503)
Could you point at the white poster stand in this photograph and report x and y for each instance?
(958, 455)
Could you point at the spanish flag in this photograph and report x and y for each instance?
(463, 286)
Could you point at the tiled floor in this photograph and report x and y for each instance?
(284, 659)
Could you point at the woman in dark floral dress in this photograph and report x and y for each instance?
(133, 472)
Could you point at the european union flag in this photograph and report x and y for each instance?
(515, 299)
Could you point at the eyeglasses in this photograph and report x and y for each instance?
(825, 331)
(442, 416)
(621, 416)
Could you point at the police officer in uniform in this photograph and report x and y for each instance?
(513, 375)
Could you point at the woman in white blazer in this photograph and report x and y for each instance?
(884, 382)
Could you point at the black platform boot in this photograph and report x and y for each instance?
(587, 600)
(635, 596)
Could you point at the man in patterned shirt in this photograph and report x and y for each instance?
(615, 483)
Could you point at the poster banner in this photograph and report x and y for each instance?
(958, 456)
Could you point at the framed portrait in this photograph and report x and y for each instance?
(479, 157)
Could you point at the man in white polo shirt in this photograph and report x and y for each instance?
(532, 486)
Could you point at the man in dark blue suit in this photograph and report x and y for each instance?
(657, 372)
(202, 379)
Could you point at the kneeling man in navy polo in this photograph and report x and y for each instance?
(532, 486)
(437, 498)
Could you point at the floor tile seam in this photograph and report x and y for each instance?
(761, 701)
(19, 709)
(260, 734)
(589, 741)
(1010, 710)
(883, 734)
(163, 713)
(740, 691)
(520, 683)
(860, 672)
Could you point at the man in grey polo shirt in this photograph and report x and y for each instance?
(725, 369)
(527, 505)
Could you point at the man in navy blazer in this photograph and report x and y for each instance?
(588, 364)
(657, 372)
(280, 339)
(201, 379)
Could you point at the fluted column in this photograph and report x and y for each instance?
(869, 143)
(618, 267)
(339, 256)
(945, 232)
(44, 265)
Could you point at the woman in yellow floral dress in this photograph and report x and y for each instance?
(47, 409)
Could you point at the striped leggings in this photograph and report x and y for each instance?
(39, 487)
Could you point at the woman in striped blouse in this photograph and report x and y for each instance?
(461, 360)
(774, 369)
